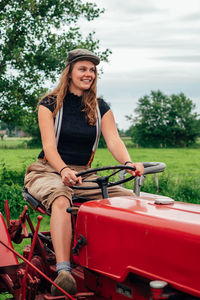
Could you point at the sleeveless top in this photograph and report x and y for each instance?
(76, 135)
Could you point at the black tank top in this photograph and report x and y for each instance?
(76, 136)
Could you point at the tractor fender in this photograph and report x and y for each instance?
(7, 258)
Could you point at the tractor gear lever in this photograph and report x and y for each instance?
(80, 243)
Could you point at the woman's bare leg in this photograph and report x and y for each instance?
(61, 234)
(61, 229)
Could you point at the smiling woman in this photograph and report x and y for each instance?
(83, 74)
(71, 118)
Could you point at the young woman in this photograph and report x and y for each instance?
(51, 177)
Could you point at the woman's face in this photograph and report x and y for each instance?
(82, 77)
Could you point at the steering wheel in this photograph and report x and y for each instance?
(103, 182)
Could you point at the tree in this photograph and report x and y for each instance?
(35, 38)
(164, 121)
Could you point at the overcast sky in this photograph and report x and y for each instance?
(155, 45)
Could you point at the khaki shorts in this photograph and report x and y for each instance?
(45, 184)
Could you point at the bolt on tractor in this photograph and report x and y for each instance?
(139, 247)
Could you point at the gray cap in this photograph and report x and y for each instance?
(81, 54)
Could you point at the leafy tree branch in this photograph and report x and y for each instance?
(35, 38)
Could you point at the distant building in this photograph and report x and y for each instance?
(13, 132)
(3, 133)
(20, 133)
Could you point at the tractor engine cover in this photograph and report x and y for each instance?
(134, 235)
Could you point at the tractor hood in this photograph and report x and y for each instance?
(133, 234)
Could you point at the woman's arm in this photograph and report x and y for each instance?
(46, 124)
(115, 144)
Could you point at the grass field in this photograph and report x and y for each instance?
(180, 162)
(14, 142)
(183, 166)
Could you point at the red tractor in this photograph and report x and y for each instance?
(142, 247)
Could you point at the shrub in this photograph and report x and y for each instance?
(34, 143)
(11, 189)
(184, 189)
(102, 143)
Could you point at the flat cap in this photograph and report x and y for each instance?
(82, 54)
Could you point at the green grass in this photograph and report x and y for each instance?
(180, 162)
(180, 180)
(18, 159)
(14, 142)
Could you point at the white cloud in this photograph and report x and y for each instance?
(155, 45)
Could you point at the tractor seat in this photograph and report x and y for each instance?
(37, 206)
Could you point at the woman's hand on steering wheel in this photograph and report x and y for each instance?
(139, 169)
(69, 177)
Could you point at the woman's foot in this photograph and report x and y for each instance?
(66, 281)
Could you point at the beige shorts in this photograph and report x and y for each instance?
(45, 184)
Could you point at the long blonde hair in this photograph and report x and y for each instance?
(89, 98)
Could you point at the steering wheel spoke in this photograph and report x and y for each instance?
(102, 182)
(114, 173)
